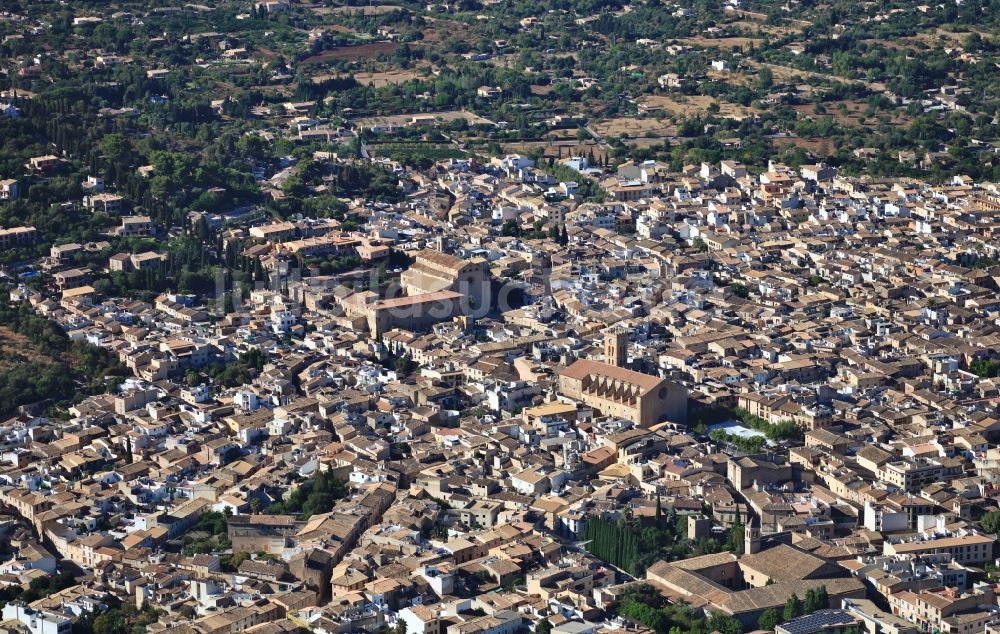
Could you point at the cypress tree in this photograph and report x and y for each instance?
(793, 608)
(810, 603)
(822, 598)
(595, 536)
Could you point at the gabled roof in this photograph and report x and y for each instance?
(584, 368)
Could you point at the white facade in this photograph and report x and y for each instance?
(36, 621)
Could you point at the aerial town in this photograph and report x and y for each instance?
(499, 317)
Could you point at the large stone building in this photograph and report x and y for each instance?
(262, 533)
(434, 271)
(745, 585)
(438, 287)
(613, 391)
(415, 313)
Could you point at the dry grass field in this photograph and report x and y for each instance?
(353, 53)
(16, 348)
(379, 79)
(693, 105)
(853, 113)
(633, 127)
(377, 9)
(721, 42)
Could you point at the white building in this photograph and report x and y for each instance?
(282, 320)
(879, 518)
(37, 621)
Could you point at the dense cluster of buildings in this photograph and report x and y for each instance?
(481, 393)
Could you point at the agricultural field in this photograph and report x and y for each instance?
(634, 127)
(353, 53)
(379, 78)
(395, 77)
(690, 105)
(374, 9)
(722, 42)
(853, 113)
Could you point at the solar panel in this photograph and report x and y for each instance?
(818, 620)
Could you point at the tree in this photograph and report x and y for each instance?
(765, 78)
(985, 369)
(811, 604)
(736, 537)
(649, 616)
(740, 290)
(718, 622)
(736, 533)
(990, 522)
(400, 627)
(109, 622)
(316, 495)
(510, 228)
(793, 608)
(232, 563)
(816, 599)
(822, 598)
(770, 619)
(543, 627)
(405, 364)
